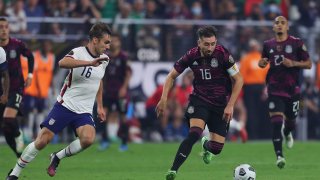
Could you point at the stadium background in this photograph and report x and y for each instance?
(155, 33)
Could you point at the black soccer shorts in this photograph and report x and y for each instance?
(288, 106)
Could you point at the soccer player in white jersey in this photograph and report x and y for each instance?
(75, 103)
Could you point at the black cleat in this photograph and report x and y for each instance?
(54, 163)
(12, 177)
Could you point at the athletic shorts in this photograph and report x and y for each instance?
(61, 117)
(289, 106)
(211, 115)
(116, 105)
(14, 100)
(30, 103)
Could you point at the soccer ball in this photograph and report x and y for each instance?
(244, 172)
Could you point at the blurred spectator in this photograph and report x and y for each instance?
(149, 37)
(178, 36)
(86, 9)
(108, 8)
(17, 16)
(227, 10)
(33, 9)
(177, 129)
(256, 13)
(196, 10)
(272, 10)
(124, 30)
(254, 85)
(2, 8)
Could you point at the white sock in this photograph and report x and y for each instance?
(73, 148)
(29, 153)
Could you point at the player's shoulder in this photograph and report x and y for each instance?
(193, 52)
(220, 48)
(2, 51)
(269, 41)
(16, 41)
(295, 39)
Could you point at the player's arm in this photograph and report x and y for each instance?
(263, 62)
(69, 62)
(28, 54)
(173, 74)
(300, 64)
(236, 88)
(124, 88)
(100, 110)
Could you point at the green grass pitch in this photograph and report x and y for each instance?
(151, 161)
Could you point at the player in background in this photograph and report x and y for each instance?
(115, 93)
(36, 95)
(14, 49)
(74, 105)
(217, 84)
(287, 55)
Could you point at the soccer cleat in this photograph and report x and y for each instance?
(281, 162)
(244, 135)
(171, 175)
(19, 143)
(288, 139)
(206, 155)
(11, 177)
(123, 148)
(54, 163)
(104, 145)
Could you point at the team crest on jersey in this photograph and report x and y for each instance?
(304, 47)
(13, 54)
(288, 49)
(190, 109)
(51, 121)
(214, 62)
(231, 60)
(279, 48)
(271, 105)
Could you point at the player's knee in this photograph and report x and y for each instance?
(195, 133)
(214, 147)
(86, 141)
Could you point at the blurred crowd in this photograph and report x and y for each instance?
(158, 41)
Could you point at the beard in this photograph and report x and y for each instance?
(279, 33)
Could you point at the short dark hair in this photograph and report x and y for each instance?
(207, 31)
(98, 30)
(2, 18)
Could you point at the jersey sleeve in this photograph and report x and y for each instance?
(265, 51)
(74, 53)
(182, 63)
(302, 53)
(3, 62)
(230, 64)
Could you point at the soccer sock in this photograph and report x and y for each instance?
(104, 134)
(213, 146)
(290, 125)
(277, 121)
(124, 133)
(11, 131)
(73, 148)
(186, 147)
(29, 153)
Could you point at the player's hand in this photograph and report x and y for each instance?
(28, 82)
(228, 113)
(122, 92)
(101, 114)
(3, 99)
(99, 61)
(263, 62)
(287, 62)
(161, 106)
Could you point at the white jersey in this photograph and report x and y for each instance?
(81, 85)
(2, 55)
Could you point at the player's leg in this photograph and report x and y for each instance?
(31, 151)
(195, 131)
(123, 132)
(11, 130)
(83, 125)
(105, 141)
(218, 129)
(292, 110)
(276, 109)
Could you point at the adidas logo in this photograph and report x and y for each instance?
(195, 63)
(271, 51)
